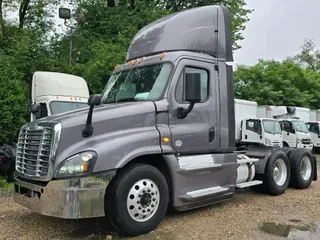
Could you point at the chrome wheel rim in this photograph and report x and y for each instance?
(280, 172)
(143, 200)
(305, 168)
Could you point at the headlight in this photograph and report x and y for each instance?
(299, 140)
(267, 141)
(77, 165)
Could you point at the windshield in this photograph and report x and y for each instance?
(142, 83)
(313, 127)
(272, 127)
(300, 126)
(60, 107)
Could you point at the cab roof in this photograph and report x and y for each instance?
(58, 84)
(203, 29)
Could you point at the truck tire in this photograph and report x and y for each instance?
(137, 200)
(302, 171)
(276, 177)
(315, 149)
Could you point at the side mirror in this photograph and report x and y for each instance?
(192, 93)
(34, 108)
(293, 131)
(94, 100)
(193, 87)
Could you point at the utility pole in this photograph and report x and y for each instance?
(65, 13)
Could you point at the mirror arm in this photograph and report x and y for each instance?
(88, 131)
(182, 112)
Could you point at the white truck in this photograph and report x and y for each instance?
(53, 93)
(314, 128)
(292, 121)
(251, 129)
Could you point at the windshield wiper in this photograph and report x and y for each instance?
(127, 100)
(123, 100)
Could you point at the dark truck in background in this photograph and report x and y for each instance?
(7, 161)
(161, 134)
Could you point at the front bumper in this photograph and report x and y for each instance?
(307, 146)
(70, 198)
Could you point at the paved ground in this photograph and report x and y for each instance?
(240, 218)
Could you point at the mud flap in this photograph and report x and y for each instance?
(315, 175)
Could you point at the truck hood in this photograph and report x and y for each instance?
(102, 112)
(113, 126)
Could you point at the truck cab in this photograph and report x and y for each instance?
(162, 132)
(251, 129)
(296, 133)
(54, 93)
(264, 131)
(314, 129)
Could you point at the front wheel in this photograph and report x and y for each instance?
(137, 201)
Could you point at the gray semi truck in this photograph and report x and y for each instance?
(161, 135)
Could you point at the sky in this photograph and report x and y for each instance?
(277, 29)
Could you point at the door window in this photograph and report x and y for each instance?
(204, 84)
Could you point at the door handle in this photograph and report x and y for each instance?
(211, 134)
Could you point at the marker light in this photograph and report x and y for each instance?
(165, 140)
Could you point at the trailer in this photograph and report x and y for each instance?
(161, 134)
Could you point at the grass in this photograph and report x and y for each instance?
(4, 185)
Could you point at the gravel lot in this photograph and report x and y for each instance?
(240, 218)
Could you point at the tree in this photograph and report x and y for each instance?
(112, 24)
(13, 100)
(277, 83)
(309, 56)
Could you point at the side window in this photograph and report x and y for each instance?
(204, 83)
(254, 126)
(286, 126)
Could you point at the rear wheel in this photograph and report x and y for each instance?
(137, 200)
(301, 168)
(277, 174)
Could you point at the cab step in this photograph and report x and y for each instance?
(205, 193)
(248, 184)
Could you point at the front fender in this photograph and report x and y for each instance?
(117, 148)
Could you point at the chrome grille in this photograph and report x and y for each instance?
(33, 151)
(276, 144)
(306, 141)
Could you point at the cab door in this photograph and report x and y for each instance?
(198, 132)
(289, 133)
